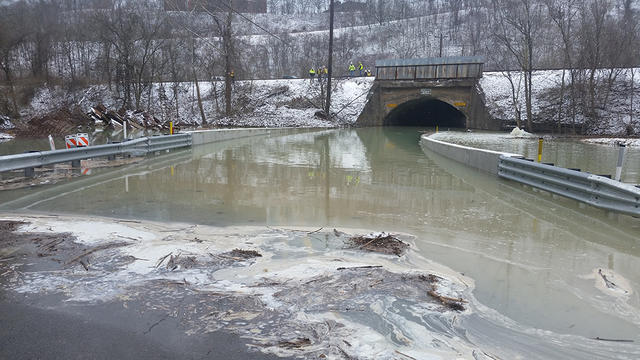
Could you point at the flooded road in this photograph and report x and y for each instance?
(534, 258)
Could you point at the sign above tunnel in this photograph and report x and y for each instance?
(460, 104)
(425, 91)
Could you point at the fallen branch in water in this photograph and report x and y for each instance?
(85, 266)
(452, 303)
(610, 284)
(360, 267)
(162, 259)
(127, 237)
(613, 340)
(313, 232)
(405, 355)
(97, 248)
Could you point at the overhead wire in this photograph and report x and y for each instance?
(226, 3)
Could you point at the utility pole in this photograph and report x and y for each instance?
(330, 67)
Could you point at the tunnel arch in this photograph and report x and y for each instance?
(426, 112)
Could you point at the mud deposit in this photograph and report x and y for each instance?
(285, 292)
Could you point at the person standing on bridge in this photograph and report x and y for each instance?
(360, 67)
(352, 69)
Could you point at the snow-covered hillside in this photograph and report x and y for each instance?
(273, 103)
(615, 113)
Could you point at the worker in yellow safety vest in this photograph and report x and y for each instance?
(312, 74)
(360, 67)
(352, 69)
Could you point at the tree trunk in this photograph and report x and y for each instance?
(195, 79)
(632, 95)
(228, 48)
(561, 101)
(327, 104)
(527, 95)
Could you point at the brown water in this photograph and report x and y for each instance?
(529, 253)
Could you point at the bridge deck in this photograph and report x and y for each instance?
(461, 67)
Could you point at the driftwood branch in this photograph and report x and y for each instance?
(97, 248)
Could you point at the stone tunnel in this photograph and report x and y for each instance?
(427, 93)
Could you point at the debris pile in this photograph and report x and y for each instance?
(10, 226)
(173, 262)
(5, 123)
(104, 117)
(281, 310)
(382, 242)
(243, 254)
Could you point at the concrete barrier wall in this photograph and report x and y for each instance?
(208, 136)
(484, 160)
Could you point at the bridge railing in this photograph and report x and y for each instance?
(138, 146)
(594, 190)
(461, 67)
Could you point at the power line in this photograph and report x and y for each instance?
(252, 22)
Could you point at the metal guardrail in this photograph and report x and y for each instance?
(594, 190)
(141, 146)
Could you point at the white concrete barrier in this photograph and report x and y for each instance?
(208, 136)
(200, 137)
(484, 160)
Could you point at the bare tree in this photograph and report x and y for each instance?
(12, 35)
(563, 14)
(518, 24)
(228, 52)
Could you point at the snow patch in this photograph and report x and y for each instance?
(520, 133)
(91, 232)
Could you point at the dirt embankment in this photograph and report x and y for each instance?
(58, 122)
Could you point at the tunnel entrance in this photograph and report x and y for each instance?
(426, 112)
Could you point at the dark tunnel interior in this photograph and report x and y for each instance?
(426, 112)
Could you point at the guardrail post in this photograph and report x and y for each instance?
(540, 141)
(29, 172)
(75, 164)
(620, 161)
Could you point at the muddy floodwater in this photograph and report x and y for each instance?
(537, 260)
